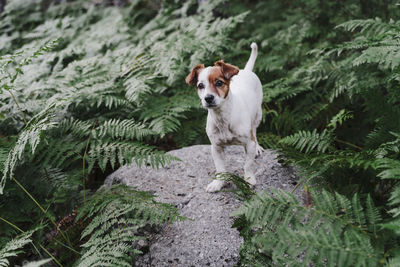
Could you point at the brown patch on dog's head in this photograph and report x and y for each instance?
(228, 70)
(218, 83)
(191, 79)
(220, 76)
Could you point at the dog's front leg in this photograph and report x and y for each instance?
(217, 153)
(251, 149)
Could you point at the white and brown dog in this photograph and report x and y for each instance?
(233, 98)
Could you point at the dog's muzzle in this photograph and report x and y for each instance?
(209, 99)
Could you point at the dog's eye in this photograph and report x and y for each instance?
(219, 83)
(200, 86)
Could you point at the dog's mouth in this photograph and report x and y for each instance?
(212, 105)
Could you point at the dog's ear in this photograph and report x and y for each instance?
(227, 69)
(191, 79)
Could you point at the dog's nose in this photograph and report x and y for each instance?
(209, 98)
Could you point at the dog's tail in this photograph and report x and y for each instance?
(250, 63)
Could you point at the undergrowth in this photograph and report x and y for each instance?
(87, 86)
(332, 110)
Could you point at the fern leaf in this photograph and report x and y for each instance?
(369, 26)
(391, 168)
(123, 129)
(332, 231)
(339, 118)
(13, 247)
(37, 263)
(308, 141)
(393, 262)
(123, 152)
(116, 214)
(30, 135)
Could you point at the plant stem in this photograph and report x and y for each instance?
(42, 247)
(41, 208)
(18, 106)
(19, 229)
(296, 186)
(267, 107)
(68, 247)
(51, 256)
(84, 165)
(12, 225)
(349, 144)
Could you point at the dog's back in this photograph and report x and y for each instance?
(247, 86)
(247, 89)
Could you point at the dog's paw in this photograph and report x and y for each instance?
(251, 180)
(214, 186)
(259, 150)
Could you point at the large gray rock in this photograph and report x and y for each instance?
(207, 239)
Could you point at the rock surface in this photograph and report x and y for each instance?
(207, 239)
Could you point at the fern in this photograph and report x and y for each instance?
(394, 202)
(332, 230)
(121, 152)
(126, 129)
(117, 73)
(339, 119)
(11, 74)
(116, 214)
(13, 247)
(309, 141)
(390, 168)
(369, 27)
(30, 135)
(37, 263)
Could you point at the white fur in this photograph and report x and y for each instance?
(250, 64)
(233, 118)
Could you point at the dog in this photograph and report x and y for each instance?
(233, 98)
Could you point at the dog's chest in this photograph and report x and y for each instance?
(225, 134)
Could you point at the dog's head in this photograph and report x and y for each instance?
(212, 83)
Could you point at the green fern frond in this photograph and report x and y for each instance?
(268, 140)
(244, 190)
(37, 263)
(385, 56)
(393, 224)
(13, 247)
(9, 75)
(136, 87)
(309, 141)
(30, 135)
(74, 126)
(393, 262)
(123, 129)
(4, 151)
(394, 202)
(102, 153)
(390, 167)
(59, 154)
(371, 27)
(339, 118)
(166, 124)
(283, 89)
(333, 230)
(116, 214)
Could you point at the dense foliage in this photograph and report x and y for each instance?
(86, 86)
